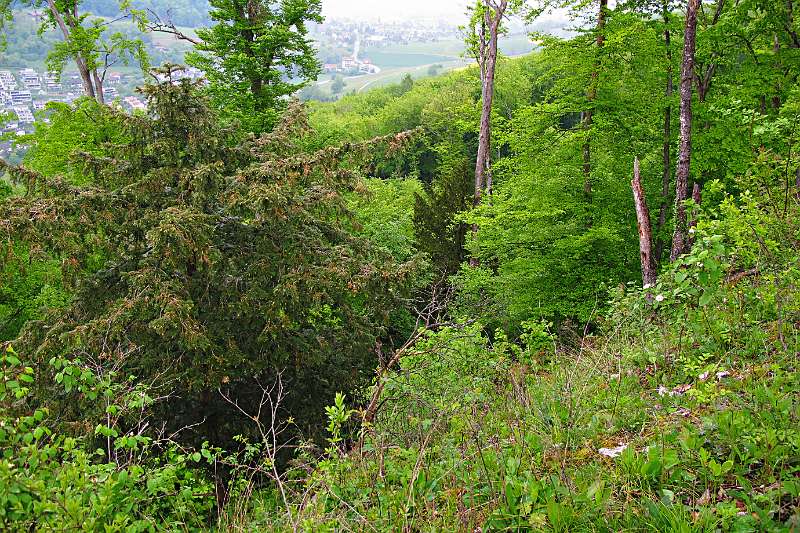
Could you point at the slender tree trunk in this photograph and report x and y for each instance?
(487, 58)
(797, 182)
(252, 14)
(794, 39)
(80, 63)
(591, 96)
(494, 16)
(667, 144)
(482, 48)
(99, 94)
(679, 239)
(776, 47)
(649, 273)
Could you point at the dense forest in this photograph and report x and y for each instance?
(549, 293)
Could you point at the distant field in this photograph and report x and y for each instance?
(394, 75)
(416, 59)
(391, 59)
(452, 48)
(418, 54)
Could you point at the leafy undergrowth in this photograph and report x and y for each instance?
(679, 414)
(682, 415)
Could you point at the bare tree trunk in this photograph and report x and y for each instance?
(494, 16)
(487, 59)
(649, 273)
(776, 98)
(679, 239)
(98, 88)
(667, 145)
(591, 96)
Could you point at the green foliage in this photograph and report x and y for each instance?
(500, 435)
(435, 210)
(84, 127)
(51, 481)
(255, 55)
(337, 415)
(27, 291)
(166, 268)
(384, 215)
(338, 84)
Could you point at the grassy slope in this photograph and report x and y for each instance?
(485, 443)
(682, 415)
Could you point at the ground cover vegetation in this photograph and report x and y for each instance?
(549, 293)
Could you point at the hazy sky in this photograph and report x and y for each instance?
(452, 10)
(395, 8)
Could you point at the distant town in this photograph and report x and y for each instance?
(25, 93)
(345, 48)
(344, 32)
(338, 35)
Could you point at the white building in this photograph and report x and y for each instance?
(23, 114)
(21, 97)
(349, 63)
(7, 81)
(30, 78)
(135, 104)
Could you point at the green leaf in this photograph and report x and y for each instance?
(705, 298)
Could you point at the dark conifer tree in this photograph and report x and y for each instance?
(211, 261)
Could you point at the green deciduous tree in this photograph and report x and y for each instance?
(257, 53)
(85, 39)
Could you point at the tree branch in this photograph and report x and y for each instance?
(161, 26)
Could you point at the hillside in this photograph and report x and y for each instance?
(188, 13)
(555, 292)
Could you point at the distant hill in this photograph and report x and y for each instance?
(191, 13)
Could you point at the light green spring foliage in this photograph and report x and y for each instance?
(83, 127)
(384, 215)
(30, 285)
(52, 481)
(550, 251)
(678, 412)
(255, 55)
(89, 36)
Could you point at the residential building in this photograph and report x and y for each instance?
(135, 104)
(7, 81)
(23, 114)
(349, 63)
(20, 97)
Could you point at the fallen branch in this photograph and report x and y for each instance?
(733, 279)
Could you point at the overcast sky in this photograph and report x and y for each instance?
(370, 9)
(451, 10)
